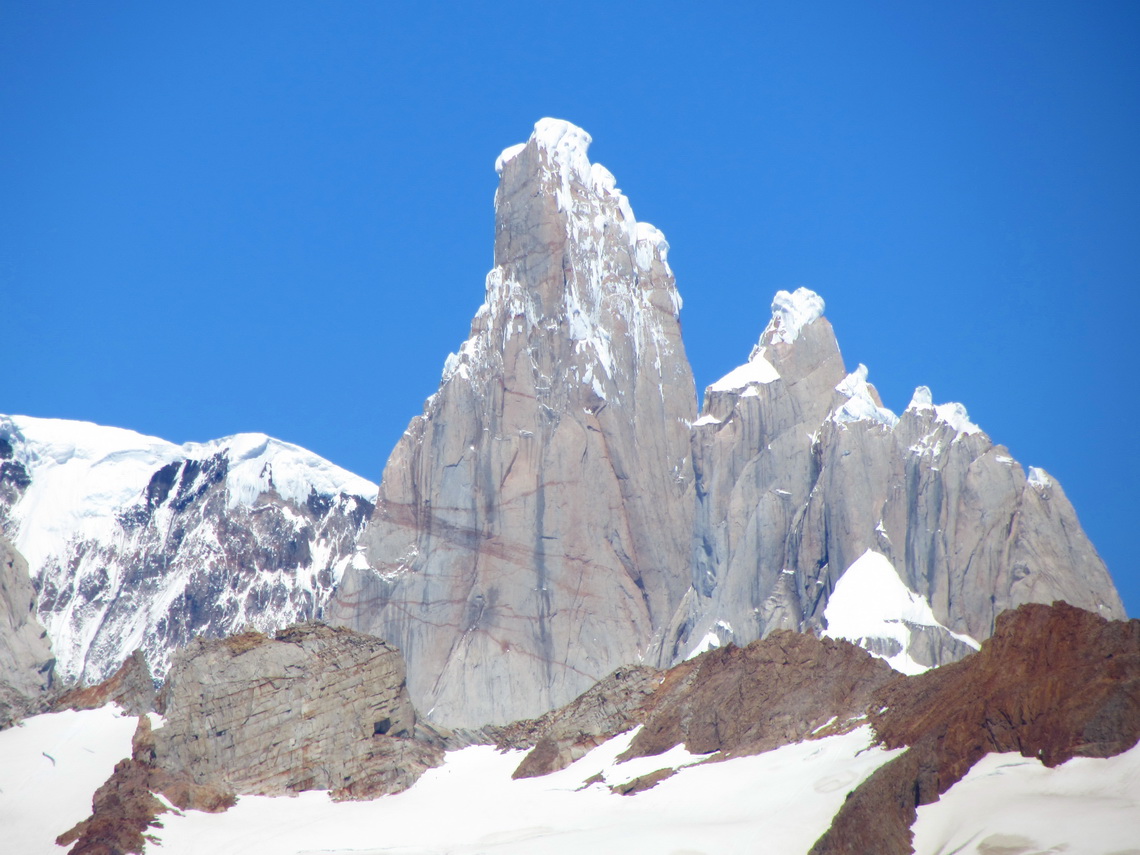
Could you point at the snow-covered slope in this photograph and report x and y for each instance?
(784, 797)
(1008, 803)
(50, 766)
(137, 542)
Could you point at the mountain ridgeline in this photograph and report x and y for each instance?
(560, 508)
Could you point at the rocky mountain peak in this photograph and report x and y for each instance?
(532, 526)
(817, 504)
(575, 275)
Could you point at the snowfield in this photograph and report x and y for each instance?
(778, 803)
(50, 767)
(470, 805)
(1008, 804)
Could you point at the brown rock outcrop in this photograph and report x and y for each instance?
(729, 702)
(1054, 682)
(125, 806)
(313, 708)
(746, 700)
(131, 687)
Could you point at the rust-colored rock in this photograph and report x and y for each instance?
(560, 737)
(131, 687)
(745, 700)
(1053, 682)
(124, 807)
(731, 702)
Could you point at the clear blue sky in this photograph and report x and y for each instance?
(220, 217)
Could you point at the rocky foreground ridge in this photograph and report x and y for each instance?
(322, 708)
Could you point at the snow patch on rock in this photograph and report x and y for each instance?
(952, 413)
(756, 370)
(1039, 478)
(871, 603)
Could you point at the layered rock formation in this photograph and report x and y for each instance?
(532, 528)
(819, 509)
(134, 542)
(312, 708)
(26, 661)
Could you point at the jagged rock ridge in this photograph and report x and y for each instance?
(820, 510)
(532, 527)
(134, 542)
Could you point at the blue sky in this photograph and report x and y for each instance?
(277, 216)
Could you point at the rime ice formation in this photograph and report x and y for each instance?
(137, 542)
(532, 526)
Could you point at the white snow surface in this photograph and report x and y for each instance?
(50, 767)
(792, 311)
(1039, 478)
(1009, 804)
(83, 474)
(871, 601)
(756, 370)
(785, 798)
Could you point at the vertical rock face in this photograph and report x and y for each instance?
(133, 542)
(25, 654)
(533, 525)
(821, 510)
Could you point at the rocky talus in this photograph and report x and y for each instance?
(533, 524)
(311, 708)
(26, 661)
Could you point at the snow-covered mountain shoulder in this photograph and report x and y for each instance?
(134, 541)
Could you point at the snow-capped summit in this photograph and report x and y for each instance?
(134, 541)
